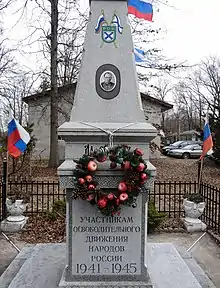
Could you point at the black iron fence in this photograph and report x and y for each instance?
(167, 196)
(42, 194)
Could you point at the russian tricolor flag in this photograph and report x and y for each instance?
(18, 138)
(141, 9)
(207, 139)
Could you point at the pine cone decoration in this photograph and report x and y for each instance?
(132, 175)
(80, 192)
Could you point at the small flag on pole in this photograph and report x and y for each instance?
(142, 9)
(207, 139)
(100, 22)
(18, 138)
(117, 22)
(140, 56)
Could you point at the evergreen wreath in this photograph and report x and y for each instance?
(135, 175)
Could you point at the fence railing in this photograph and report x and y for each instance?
(211, 216)
(167, 196)
(43, 194)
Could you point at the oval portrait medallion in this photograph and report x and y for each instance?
(107, 81)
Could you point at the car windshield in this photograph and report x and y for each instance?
(189, 147)
(176, 143)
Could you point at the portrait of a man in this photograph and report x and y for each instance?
(108, 81)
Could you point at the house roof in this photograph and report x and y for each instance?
(190, 132)
(48, 92)
(165, 106)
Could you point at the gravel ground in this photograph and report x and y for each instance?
(172, 169)
(168, 169)
(7, 251)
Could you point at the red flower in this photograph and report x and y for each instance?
(113, 165)
(144, 176)
(138, 152)
(123, 197)
(110, 196)
(117, 201)
(127, 165)
(122, 187)
(102, 203)
(102, 158)
(90, 197)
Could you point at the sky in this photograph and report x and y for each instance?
(192, 30)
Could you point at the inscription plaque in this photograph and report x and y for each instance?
(104, 245)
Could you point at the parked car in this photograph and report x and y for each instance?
(189, 151)
(178, 144)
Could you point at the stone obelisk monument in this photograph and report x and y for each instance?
(107, 97)
(105, 251)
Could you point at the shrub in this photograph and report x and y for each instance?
(58, 210)
(194, 197)
(155, 218)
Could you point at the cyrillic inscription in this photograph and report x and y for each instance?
(108, 245)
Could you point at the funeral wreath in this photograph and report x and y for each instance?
(135, 174)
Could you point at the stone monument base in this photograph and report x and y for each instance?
(13, 226)
(42, 266)
(105, 284)
(193, 225)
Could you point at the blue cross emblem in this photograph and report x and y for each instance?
(108, 33)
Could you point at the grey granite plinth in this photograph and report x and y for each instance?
(43, 269)
(194, 225)
(105, 284)
(13, 227)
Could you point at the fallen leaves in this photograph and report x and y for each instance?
(41, 229)
(185, 170)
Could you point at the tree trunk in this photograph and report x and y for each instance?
(53, 162)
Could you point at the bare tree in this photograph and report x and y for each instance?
(201, 88)
(18, 86)
(161, 90)
(61, 45)
(53, 161)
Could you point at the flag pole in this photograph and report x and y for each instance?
(200, 174)
(4, 186)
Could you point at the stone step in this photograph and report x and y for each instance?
(42, 266)
(43, 269)
(197, 271)
(15, 266)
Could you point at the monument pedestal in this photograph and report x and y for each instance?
(194, 225)
(13, 226)
(78, 134)
(104, 250)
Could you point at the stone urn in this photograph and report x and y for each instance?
(192, 209)
(16, 209)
